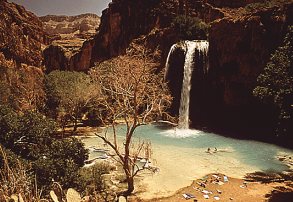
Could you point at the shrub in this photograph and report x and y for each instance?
(275, 84)
(190, 27)
(33, 137)
(91, 177)
(264, 4)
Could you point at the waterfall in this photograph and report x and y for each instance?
(173, 47)
(190, 48)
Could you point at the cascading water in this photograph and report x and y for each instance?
(189, 47)
(173, 47)
(186, 85)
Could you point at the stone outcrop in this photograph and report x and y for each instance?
(80, 26)
(21, 34)
(68, 35)
(55, 58)
(224, 100)
(121, 22)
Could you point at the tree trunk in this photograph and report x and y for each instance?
(130, 186)
(75, 125)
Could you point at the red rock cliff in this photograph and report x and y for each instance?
(21, 34)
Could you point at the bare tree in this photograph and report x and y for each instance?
(135, 93)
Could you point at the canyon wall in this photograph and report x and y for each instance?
(21, 34)
(236, 60)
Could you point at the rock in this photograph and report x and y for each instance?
(72, 195)
(55, 58)
(20, 198)
(116, 31)
(85, 199)
(69, 34)
(122, 199)
(232, 4)
(21, 34)
(222, 100)
(71, 26)
(54, 196)
(14, 198)
(236, 60)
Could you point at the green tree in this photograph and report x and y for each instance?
(190, 28)
(69, 94)
(275, 84)
(34, 138)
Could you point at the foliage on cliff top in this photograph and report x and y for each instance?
(275, 84)
(266, 4)
(190, 28)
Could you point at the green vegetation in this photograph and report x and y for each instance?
(265, 4)
(69, 95)
(33, 137)
(275, 85)
(190, 28)
(91, 180)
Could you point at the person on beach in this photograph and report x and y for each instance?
(209, 150)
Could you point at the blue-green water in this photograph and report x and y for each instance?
(254, 153)
(182, 156)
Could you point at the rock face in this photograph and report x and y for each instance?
(240, 46)
(21, 34)
(68, 34)
(236, 60)
(80, 26)
(55, 58)
(21, 42)
(121, 22)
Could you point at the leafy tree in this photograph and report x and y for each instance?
(33, 137)
(69, 94)
(275, 84)
(133, 92)
(190, 27)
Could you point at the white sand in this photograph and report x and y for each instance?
(176, 173)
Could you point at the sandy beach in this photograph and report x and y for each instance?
(174, 175)
(232, 190)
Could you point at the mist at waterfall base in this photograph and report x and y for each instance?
(181, 155)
